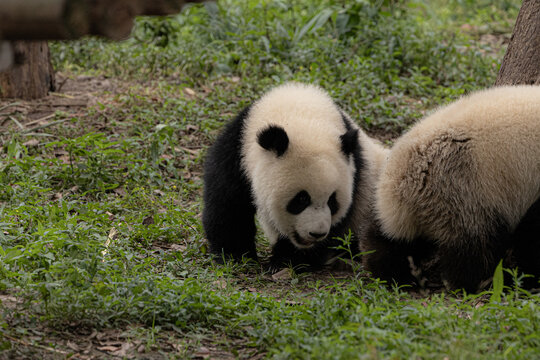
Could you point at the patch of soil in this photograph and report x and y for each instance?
(133, 342)
(73, 96)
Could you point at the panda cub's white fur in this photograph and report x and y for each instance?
(313, 162)
(294, 159)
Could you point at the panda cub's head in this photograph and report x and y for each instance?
(297, 154)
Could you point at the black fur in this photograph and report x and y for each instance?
(349, 141)
(228, 215)
(464, 266)
(333, 203)
(299, 203)
(285, 254)
(274, 138)
(472, 259)
(395, 260)
(229, 211)
(526, 248)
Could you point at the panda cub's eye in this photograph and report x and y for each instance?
(333, 204)
(298, 204)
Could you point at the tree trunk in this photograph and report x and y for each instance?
(521, 63)
(32, 75)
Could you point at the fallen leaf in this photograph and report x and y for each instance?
(177, 247)
(190, 92)
(120, 191)
(202, 352)
(31, 143)
(159, 192)
(110, 215)
(73, 346)
(222, 284)
(178, 347)
(123, 350)
(191, 128)
(284, 274)
(108, 348)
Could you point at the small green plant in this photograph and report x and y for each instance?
(498, 283)
(352, 256)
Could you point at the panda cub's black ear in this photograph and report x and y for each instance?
(349, 141)
(274, 138)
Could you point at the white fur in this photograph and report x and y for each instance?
(313, 161)
(472, 160)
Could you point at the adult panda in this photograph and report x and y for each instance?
(296, 160)
(460, 191)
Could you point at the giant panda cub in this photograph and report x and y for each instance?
(460, 191)
(292, 158)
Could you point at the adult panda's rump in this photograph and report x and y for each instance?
(429, 186)
(467, 179)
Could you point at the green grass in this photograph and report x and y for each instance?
(100, 215)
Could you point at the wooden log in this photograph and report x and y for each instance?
(521, 62)
(71, 19)
(42, 19)
(6, 55)
(32, 75)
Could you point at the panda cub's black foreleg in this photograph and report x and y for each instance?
(229, 214)
(285, 254)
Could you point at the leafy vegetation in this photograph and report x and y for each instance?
(99, 205)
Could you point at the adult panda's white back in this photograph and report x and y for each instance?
(488, 142)
(460, 191)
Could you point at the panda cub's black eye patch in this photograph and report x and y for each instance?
(333, 203)
(299, 203)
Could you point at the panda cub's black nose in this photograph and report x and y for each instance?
(317, 235)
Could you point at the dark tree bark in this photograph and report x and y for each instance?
(521, 63)
(32, 75)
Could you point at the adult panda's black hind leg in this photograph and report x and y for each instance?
(526, 251)
(469, 260)
(229, 214)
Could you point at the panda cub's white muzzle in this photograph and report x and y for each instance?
(312, 226)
